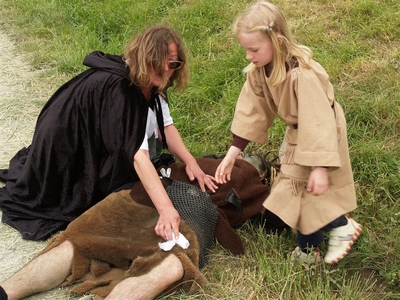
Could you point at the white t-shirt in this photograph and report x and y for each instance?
(152, 126)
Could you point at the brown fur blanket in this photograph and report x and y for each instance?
(115, 239)
(245, 184)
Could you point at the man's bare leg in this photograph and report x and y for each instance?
(148, 286)
(43, 273)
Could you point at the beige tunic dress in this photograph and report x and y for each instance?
(316, 136)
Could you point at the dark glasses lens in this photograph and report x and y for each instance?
(175, 64)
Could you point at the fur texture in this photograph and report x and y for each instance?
(245, 184)
(115, 239)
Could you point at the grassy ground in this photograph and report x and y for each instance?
(358, 42)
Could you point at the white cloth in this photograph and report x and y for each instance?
(152, 126)
(181, 241)
(165, 173)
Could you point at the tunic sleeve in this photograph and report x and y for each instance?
(317, 142)
(254, 112)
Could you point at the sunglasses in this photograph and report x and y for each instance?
(175, 64)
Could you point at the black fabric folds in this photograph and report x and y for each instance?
(82, 149)
(155, 105)
(3, 295)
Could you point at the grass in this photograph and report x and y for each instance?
(358, 43)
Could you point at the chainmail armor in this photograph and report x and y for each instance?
(198, 211)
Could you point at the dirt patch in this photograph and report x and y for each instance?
(22, 93)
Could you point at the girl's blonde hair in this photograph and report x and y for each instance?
(148, 51)
(267, 19)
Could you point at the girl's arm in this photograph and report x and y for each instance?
(224, 170)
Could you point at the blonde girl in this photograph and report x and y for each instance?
(315, 187)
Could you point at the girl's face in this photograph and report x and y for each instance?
(156, 79)
(259, 49)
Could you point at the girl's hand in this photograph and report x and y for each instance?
(168, 222)
(318, 181)
(224, 170)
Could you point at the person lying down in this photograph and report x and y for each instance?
(112, 250)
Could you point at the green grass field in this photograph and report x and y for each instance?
(358, 43)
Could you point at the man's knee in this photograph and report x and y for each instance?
(174, 266)
(66, 246)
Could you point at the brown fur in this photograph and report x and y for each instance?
(115, 239)
(245, 183)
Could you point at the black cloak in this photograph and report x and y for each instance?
(82, 149)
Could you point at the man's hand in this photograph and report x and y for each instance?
(168, 222)
(194, 171)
